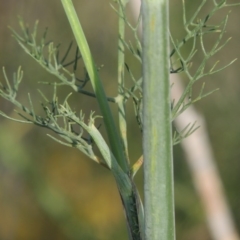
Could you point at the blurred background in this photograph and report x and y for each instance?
(49, 191)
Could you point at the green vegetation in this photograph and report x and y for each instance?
(150, 96)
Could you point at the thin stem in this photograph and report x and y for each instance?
(121, 67)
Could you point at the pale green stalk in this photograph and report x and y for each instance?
(157, 132)
(121, 90)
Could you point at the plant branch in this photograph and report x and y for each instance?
(121, 76)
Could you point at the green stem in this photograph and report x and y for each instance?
(130, 198)
(157, 132)
(111, 129)
(121, 91)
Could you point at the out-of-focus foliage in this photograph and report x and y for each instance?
(51, 191)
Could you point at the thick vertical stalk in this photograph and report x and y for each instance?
(157, 139)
